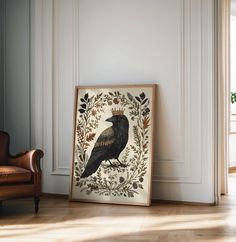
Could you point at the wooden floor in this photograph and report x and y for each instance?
(59, 220)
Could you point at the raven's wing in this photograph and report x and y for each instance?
(101, 148)
(106, 138)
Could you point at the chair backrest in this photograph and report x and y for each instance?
(4, 147)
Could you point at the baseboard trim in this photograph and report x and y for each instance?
(173, 202)
(54, 195)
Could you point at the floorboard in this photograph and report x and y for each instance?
(61, 221)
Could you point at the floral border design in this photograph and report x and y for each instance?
(119, 181)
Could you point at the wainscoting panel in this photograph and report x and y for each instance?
(54, 84)
(170, 43)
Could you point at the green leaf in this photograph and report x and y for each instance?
(233, 97)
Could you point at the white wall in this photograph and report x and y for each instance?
(166, 42)
(233, 7)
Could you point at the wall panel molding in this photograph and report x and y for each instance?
(194, 46)
(198, 57)
(60, 75)
(64, 25)
(178, 168)
(55, 75)
(61, 70)
(169, 158)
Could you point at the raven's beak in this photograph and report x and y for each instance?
(111, 119)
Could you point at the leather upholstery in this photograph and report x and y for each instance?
(13, 174)
(28, 160)
(20, 175)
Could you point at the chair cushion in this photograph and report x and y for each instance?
(13, 174)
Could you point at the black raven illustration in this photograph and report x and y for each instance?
(109, 144)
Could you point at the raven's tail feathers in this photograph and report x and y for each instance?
(85, 174)
(90, 169)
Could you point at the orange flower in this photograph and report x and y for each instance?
(94, 112)
(146, 121)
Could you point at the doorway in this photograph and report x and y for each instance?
(232, 119)
(226, 110)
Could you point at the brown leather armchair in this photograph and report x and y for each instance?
(20, 175)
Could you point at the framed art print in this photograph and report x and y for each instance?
(113, 144)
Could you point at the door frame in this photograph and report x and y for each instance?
(222, 95)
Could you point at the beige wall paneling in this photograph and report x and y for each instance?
(125, 42)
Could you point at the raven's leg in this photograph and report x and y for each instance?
(121, 164)
(111, 165)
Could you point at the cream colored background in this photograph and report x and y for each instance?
(144, 194)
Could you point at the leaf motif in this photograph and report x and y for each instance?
(144, 101)
(90, 137)
(142, 95)
(98, 96)
(146, 112)
(140, 186)
(138, 99)
(86, 96)
(130, 96)
(83, 105)
(81, 110)
(146, 123)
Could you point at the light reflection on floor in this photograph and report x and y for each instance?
(59, 221)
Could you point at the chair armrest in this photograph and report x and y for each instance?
(29, 160)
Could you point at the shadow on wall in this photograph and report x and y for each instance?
(1, 63)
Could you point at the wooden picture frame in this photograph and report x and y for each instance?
(113, 144)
